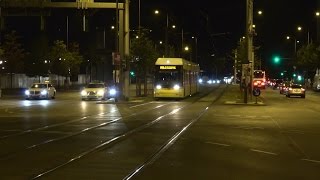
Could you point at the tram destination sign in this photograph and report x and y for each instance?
(168, 67)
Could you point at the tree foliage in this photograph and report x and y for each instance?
(308, 57)
(143, 53)
(143, 57)
(63, 61)
(13, 53)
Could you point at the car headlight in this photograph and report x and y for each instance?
(158, 86)
(43, 92)
(176, 87)
(27, 92)
(100, 93)
(83, 92)
(112, 92)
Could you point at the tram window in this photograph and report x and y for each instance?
(167, 76)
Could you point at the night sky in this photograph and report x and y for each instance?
(218, 25)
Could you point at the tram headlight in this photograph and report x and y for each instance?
(158, 86)
(176, 87)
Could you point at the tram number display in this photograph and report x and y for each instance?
(168, 67)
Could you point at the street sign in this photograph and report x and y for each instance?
(256, 92)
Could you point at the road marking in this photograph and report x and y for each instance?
(310, 160)
(219, 144)
(294, 131)
(265, 152)
(247, 127)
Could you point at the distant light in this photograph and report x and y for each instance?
(299, 28)
(156, 11)
(112, 27)
(173, 26)
(288, 37)
(259, 12)
(160, 42)
(317, 13)
(137, 37)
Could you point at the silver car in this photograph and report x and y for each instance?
(296, 90)
(41, 91)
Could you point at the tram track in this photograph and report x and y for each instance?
(130, 133)
(84, 130)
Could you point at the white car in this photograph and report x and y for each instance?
(41, 91)
(98, 91)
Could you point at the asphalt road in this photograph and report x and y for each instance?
(201, 137)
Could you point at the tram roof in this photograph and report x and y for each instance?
(173, 61)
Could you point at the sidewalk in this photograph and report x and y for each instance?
(235, 96)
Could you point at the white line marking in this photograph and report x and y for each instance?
(310, 160)
(265, 152)
(219, 144)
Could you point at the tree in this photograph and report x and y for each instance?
(63, 61)
(308, 57)
(143, 57)
(13, 54)
(57, 56)
(76, 59)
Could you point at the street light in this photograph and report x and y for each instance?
(166, 33)
(317, 25)
(299, 28)
(196, 48)
(295, 43)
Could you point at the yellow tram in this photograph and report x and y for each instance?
(175, 78)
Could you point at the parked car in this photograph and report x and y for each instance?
(296, 90)
(41, 91)
(99, 91)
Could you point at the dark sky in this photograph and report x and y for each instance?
(220, 24)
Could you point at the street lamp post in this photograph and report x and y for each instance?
(295, 43)
(166, 33)
(196, 48)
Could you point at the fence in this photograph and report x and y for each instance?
(24, 81)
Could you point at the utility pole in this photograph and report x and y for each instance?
(235, 66)
(250, 33)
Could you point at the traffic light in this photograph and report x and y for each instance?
(132, 73)
(299, 78)
(281, 73)
(276, 59)
(294, 75)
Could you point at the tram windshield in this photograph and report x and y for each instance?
(167, 77)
